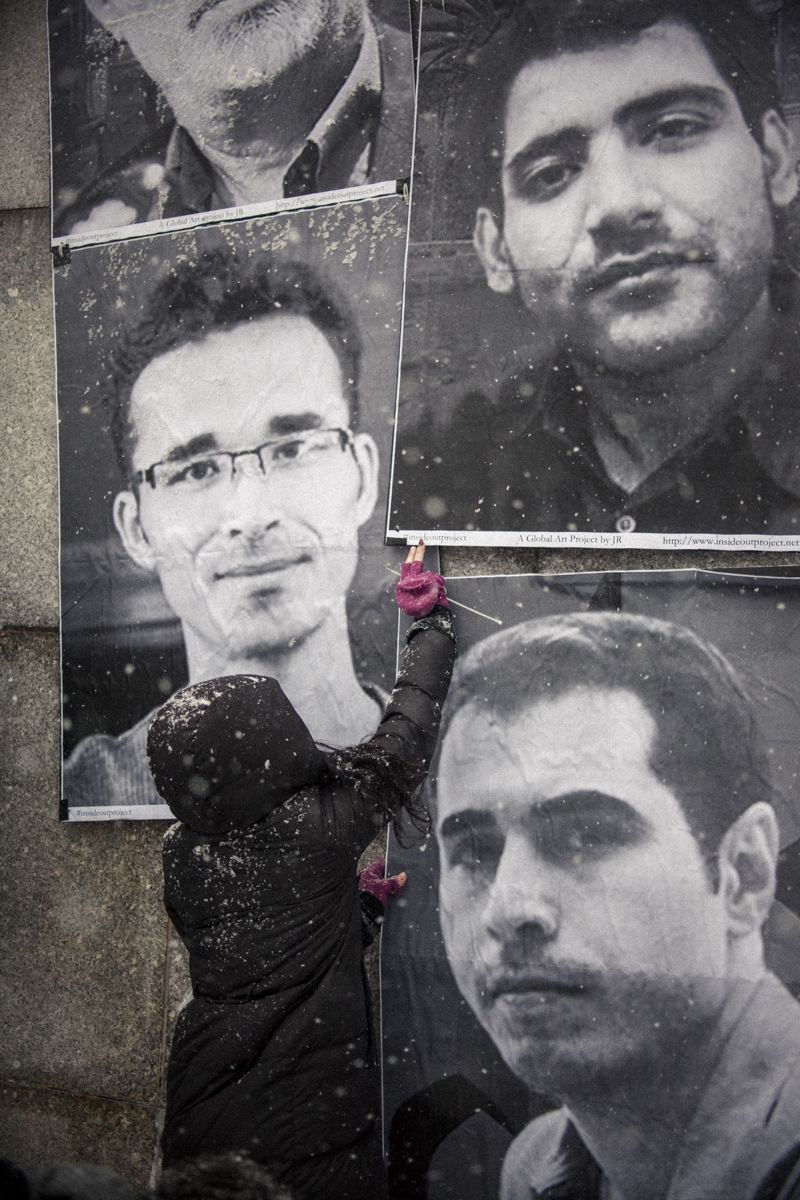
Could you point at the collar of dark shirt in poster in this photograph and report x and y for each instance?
(336, 153)
(188, 184)
(345, 132)
(567, 1172)
(301, 178)
(566, 420)
(757, 445)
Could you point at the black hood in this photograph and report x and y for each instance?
(224, 753)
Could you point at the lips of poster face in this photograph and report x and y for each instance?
(237, 521)
(601, 291)
(166, 115)
(561, 926)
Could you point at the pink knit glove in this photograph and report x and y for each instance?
(372, 880)
(418, 591)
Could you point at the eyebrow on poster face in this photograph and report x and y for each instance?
(603, 822)
(278, 426)
(572, 141)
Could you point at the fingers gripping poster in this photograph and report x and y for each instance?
(590, 980)
(225, 399)
(602, 277)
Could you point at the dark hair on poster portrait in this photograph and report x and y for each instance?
(472, 53)
(225, 400)
(212, 294)
(733, 36)
(602, 280)
(164, 111)
(708, 748)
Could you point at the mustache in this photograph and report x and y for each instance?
(518, 979)
(258, 555)
(263, 565)
(206, 6)
(618, 266)
(201, 10)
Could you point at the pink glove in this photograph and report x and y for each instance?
(371, 880)
(418, 590)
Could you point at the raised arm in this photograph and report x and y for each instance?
(410, 723)
(382, 775)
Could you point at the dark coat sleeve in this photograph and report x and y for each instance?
(386, 771)
(410, 724)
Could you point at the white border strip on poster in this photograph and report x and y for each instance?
(753, 575)
(569, 540)
(217, 216)
(122, 812)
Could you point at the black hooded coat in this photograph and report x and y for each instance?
(274, 1054)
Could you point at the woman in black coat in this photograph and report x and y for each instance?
(274, 1053)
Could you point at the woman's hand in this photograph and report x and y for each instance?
(419, 591)
(373, 880)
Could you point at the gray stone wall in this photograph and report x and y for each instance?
(91, 979)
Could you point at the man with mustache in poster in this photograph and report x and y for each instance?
(637, 173)
(608, 847)
(270, 100)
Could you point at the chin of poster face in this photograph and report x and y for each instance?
(604, 294)
(224, 399)
(612, 757)
(161, 110)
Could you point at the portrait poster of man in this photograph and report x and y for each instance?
(589, 984)
(225, 398)
(165, 111)
(602, 276)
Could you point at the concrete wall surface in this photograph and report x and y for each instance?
(90, 979)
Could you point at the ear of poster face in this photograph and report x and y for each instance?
(245, 375)
(539, 906)
(167, 116)
(584, 302)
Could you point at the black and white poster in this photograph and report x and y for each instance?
(225, 398)
(589, 982)
(601, 323)
(167, 113)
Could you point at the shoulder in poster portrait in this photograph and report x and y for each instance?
(766, 1043)
(108, 771)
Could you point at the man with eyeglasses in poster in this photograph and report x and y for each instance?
(235, 395)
